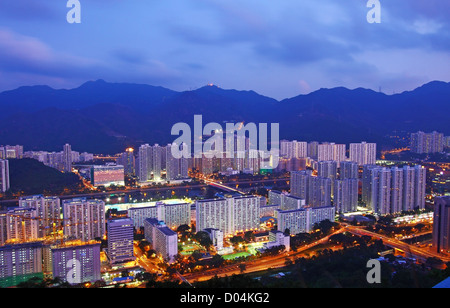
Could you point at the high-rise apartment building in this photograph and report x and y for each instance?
(349, 170)
(176, 168)
(48, 210)
(285, 200)
(22, 225)
(441, 224)
(328, 169)
(163, 240)
(120, 240)
(20, 259)
(11, 152)
(230, 215)
(128, 161)
(331, 151)
(75, 263)
(363, 153)
(173, 214)
(313, 149)
(316, 191)
(4, 175)
(67, 158)
(345, 197)
(151, 162)
(145, 165)
(303, 220)
(388, 191)
(84, 218)
(293, 149)
(319, 192)
(299, 183)
(427, 143)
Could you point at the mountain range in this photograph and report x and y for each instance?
(103, 117)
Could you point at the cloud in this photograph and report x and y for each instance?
(262, 45)
(25, 54)
(28, 10)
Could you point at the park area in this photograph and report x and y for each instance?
(189, 248)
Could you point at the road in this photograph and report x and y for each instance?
(412, 250)
(157, 188)
(122, 191)
(257, 265)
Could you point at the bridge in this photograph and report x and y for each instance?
(409, 250)
(222, 186)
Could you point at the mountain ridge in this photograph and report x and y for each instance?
(99, 116)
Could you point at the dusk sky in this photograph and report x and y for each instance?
(276, 48)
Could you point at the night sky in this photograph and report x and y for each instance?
(276, 48)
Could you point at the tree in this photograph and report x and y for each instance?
(288, 262)
(236, 240)
(203, 239)
(183, 228)
(324, 226)
(242, 267)
(249, 236)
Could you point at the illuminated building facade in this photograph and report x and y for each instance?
(427, 143)
(108, 175)
(120, 240)
(164, 241)
(230, 215)
(20, 259)
(363, 153)
(77, 263)
(173, 214)
(85, 219)
(441, 224)
(4, 175)
(48, 209)
(303, 220)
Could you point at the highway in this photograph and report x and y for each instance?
(257, 265)
(412, 250)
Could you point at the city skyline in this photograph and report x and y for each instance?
(203, 144)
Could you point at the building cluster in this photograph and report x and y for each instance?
(61, 238)
(297, 155)
(393, 190)
(62, 160)
(428, 143)
(293, 212)
(11, 151)
(153, 160)
(331, 186)
(336, 183)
